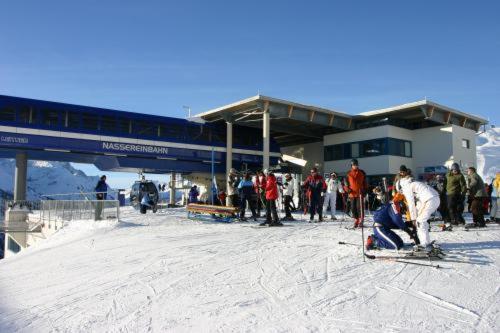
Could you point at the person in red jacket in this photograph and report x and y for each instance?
(271, 197)
(315, 186)
(356, 188)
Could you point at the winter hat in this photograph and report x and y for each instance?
(455, 167)
(354, 161)
(403, 168)
(314, 170)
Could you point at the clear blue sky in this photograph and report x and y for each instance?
(156, 56)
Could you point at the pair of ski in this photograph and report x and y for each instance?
(408, 257)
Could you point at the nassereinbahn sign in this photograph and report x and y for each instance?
(128, 148)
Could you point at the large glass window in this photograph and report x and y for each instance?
(373, 148)
(145, 128)
(354, 150)
(172, 132)
(7, 113)
(73, 120)
(399, 147)
(108, 124)
(90, 121)
(24, 115)
(198, 133)
(50, 117)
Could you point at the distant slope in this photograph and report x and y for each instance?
(46, 178)
(488, 154)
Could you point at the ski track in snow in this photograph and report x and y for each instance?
(163, 272)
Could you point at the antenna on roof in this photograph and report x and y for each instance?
(188, 108)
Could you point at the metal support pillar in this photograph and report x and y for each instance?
(20, 176)
(266, 132)
(229, 150)
(172, 190)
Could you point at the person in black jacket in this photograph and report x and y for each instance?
(101, 190)
(247, 193)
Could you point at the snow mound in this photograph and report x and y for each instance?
(45, 178)
(488, 154)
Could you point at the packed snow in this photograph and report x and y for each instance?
(164, 272)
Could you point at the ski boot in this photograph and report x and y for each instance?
(371, 243)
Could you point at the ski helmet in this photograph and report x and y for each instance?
(455, 167)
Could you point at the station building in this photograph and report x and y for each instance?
(425, 136)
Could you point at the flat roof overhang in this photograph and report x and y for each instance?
(424, 111)
(291, 123)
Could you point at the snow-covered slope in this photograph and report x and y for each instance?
(164, 273)
(47, 178)
(488, 154)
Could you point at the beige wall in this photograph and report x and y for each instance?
(463, 156)
(311, 152)
(432, 146)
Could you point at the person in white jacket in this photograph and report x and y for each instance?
(332, 186)
(288, 187)
(427, 202)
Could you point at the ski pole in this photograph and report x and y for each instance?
(345, 243)
(362, 208)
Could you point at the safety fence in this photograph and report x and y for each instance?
(54, 211)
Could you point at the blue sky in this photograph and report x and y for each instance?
(156, 56)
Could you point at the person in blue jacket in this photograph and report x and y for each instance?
(386, 218)
(246, 191)
(101, 190)
(193, 194)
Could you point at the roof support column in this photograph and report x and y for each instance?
(229, 150)
(20, 176)
(266, 132)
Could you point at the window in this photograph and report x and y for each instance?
(73, 120)
(354, 150)
(24, 115)
(399, 147)
(145, 128)
(168, 131)
(373, 148)
(465, 143)
(90, 121)
(50, 118)
(198, 132)
(7, 113)
(108, 124)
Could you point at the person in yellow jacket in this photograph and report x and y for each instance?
(495, 199)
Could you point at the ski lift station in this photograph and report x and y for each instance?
(256, 133)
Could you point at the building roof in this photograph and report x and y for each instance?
(293, 122)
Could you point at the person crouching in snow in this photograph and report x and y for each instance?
(386, 218)
(427, 203)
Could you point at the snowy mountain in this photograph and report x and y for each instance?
(46, 178)
(488, 154)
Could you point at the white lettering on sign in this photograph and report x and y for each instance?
(127, 147)
(13, 139)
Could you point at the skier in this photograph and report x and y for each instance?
(440, 186)
(101, 190)
(288, 187)
(356, 188)
(260, 187)
(455, 191)
(316, 187)
(476, 192)
(232, 184)
(427, 203)
(247, 191)
(332, 186)
(271, 189)
(193, 194)
(495, 199)
(386, 218)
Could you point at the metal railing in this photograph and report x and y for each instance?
(53, 211)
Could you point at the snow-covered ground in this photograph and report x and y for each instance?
(168, 273)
